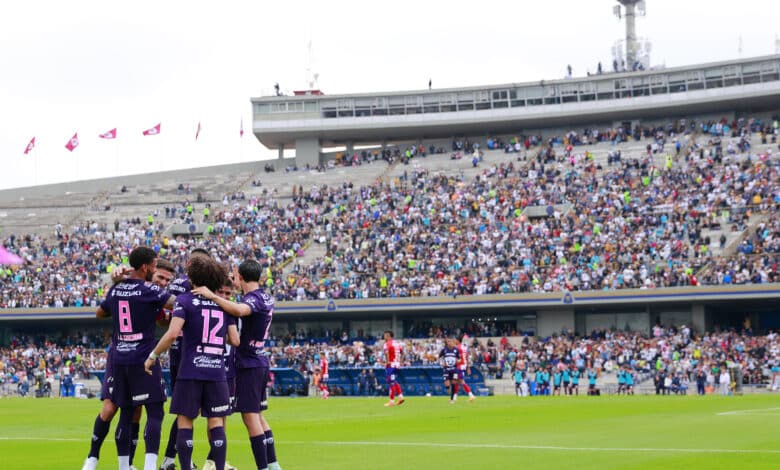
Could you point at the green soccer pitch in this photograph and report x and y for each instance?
(428, 433)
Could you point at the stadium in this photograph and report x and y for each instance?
(603, 248)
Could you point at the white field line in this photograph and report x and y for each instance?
(744, 412)
(463, 446)
(531, 447)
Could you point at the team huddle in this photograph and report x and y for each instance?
(218, 364)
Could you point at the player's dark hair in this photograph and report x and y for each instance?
(201, 251)
(166, 265)
(389, 333)
(205, 272)
(250, 270)
(141, 256)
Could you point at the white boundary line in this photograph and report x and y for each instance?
(469, 446)
(530, 447)
(741, 412)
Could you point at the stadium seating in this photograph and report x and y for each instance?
(549, 218)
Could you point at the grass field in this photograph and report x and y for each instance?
(429, 433)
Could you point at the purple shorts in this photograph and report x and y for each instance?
(391, 375)
(174, 369)
(193, 397)
(231, 381)
(107, 387)
(452, 375)
(133, 386)
(251, 394)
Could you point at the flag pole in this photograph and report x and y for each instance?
(35, 169)
(116, 157)
(77, 167)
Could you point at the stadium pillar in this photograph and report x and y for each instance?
(350, 149)
(281, 151)
(396, 327)
(307, 150)
(698, 318)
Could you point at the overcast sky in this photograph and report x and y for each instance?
(89, 66)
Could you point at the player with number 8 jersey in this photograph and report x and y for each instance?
(134, 305)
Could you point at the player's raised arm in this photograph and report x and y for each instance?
(165, 343)
(230, 307)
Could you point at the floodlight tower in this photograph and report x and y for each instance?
(631, 7)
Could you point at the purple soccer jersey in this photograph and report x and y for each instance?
(230, 359)
(134, 306)
(203, 342)
(180, 285)
(177, 287)
(254, 330)
(450, 356)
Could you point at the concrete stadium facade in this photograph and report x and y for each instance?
(310, 122)
(704, 308)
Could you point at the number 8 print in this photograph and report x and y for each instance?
(125, 319)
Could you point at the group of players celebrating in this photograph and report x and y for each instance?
(218, 363)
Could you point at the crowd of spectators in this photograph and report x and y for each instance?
(30, 362)
(551, 221)
(676, 353)
(39, 365)
(631, 225)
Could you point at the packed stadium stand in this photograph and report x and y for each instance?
(587, 243)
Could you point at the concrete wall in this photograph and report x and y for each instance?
(549, 322)
(307, 151)
(96, 186)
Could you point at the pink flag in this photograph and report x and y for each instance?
(153, 131)
(197, 133)
(241, 132)
(30, 146)
(6, 257)
(73, 142)
(109, 135)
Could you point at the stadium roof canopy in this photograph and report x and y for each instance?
(309, 122)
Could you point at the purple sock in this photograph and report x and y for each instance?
(170, 450)
(270, 448)
(258, 450)
(99, 433)
(184, 447)
(154, 420)
(218, 442)
(210, 456)
(122, 434)
(134, 429)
